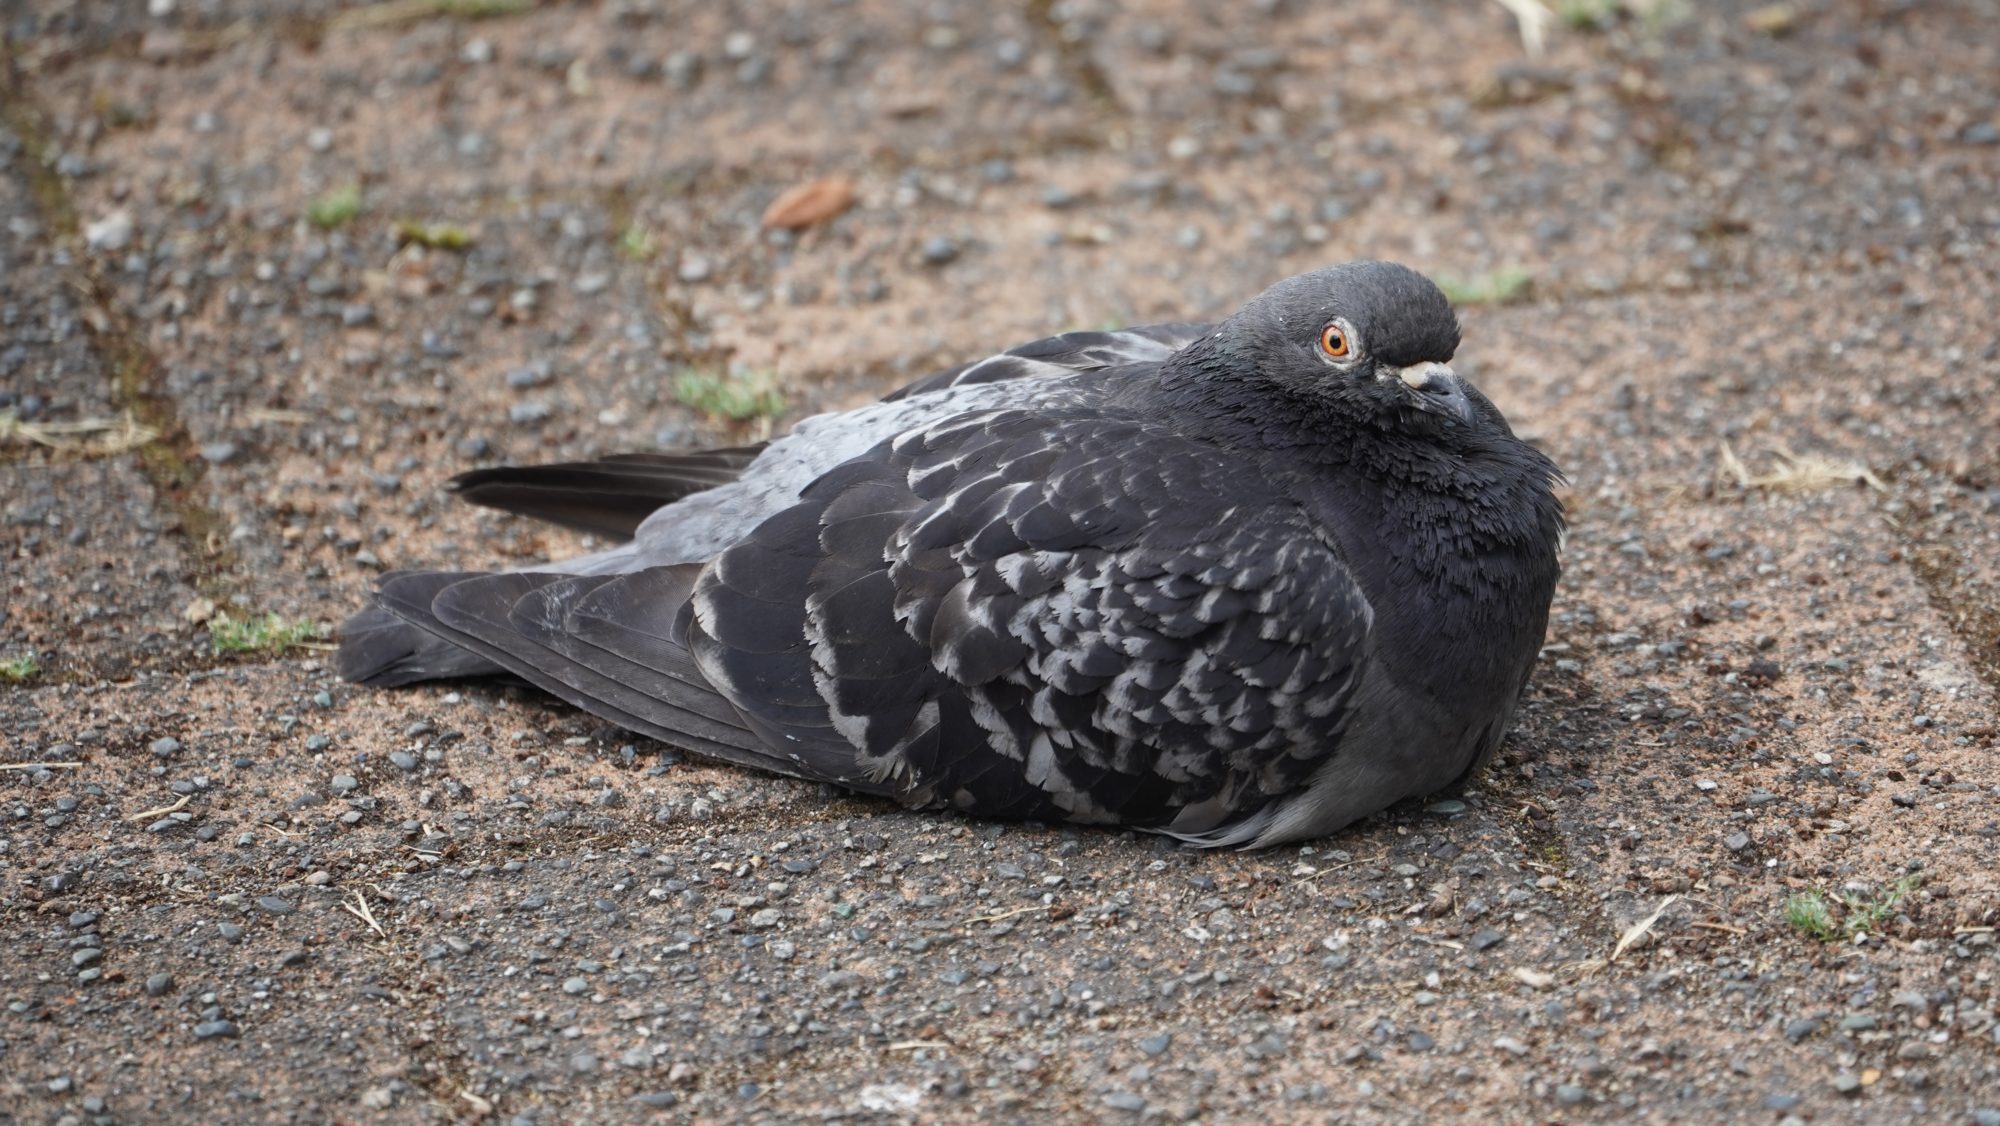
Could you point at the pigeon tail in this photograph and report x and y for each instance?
(380, 650)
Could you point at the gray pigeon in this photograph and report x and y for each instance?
(1239, 584)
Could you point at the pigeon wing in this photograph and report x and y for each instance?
(1070, 353)
(613, 495)
(1060, 615)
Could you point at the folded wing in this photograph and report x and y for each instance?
(1060, 615)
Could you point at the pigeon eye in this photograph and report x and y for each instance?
(1333, 340)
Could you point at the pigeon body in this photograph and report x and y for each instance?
(1240, 583)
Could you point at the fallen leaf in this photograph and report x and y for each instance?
(809, 203)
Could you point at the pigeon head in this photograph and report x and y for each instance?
(1368, 340)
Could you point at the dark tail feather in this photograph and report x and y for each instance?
(526, 623)
(612, 496)
(382, 651)
(478, 612)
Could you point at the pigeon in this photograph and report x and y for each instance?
(1238, 584)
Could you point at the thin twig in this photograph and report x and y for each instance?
(1532, 18)
(919, 1045)
(91, 436)
(1800, 473)
(1005, 915)
(1343, 864)
(359, 909)
(40, 765)
(408, 11)
(1723, 927)
(162, 811)
(278, 416)
(1638, 930)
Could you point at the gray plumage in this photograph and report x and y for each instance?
(1239, 583)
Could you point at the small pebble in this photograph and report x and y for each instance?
(112, 233)
(939, 250)
(210, 1029)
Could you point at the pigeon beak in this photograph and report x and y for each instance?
(1437, 386)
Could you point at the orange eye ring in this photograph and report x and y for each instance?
(1334, 342)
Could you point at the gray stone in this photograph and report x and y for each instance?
(939, 251)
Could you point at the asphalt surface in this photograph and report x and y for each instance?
(1734, 265)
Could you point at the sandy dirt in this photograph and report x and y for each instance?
(1735, 267)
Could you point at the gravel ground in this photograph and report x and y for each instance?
(1734, 268)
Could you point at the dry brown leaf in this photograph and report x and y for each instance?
(809, 203)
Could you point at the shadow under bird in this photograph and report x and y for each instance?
(1240, 583)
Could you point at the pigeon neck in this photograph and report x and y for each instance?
(1477, 517)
